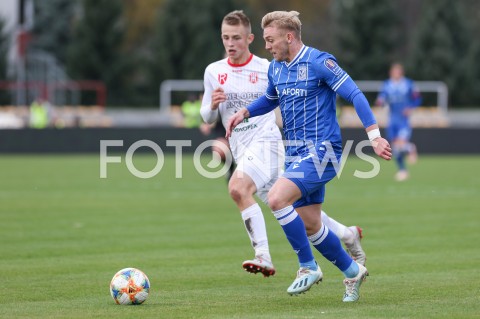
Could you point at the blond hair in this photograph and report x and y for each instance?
(286, 20)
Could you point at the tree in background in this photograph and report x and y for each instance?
(134, 45)
(440, 48)
(315, 15)
(4, 45)
(473, 76)
(96, 50)
(52, 27)
(366, 35)
(472, 10)
(187, 38)
(140, 17)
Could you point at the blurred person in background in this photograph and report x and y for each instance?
(41, 113)
(401, 96)
(191, 111)
(256, 144)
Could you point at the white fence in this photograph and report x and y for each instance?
(168, 86)
(438, 87)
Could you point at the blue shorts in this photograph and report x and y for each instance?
(399, 131)
(310, 176)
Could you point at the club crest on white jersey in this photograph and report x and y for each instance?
(222, 78)
(253, 77)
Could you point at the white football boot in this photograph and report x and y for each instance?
(260, 264)
(306, 277)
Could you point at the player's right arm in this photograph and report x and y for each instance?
(211, 100)
(382, 95)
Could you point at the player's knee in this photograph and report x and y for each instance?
(236, 190)
(235, 193)
(219, 152)
(276, 202)
(221, 148)
(312, 226)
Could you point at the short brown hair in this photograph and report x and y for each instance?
(237, 17)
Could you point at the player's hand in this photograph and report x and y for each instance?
(236, 119)
(379, 102)
(205, 128)
(407, 112)
(218, 96)
(382, 148)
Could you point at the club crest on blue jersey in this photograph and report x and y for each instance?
(333, 66)
(302, 72)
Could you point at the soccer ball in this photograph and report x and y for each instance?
(129, 286)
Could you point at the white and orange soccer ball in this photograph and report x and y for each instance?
(129, 286)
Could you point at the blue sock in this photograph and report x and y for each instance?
(294, 229)
(310, 265)
(351, 271)
(399, 155)
(328, 244)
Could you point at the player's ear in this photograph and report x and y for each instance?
(250, 38)
(289, 37)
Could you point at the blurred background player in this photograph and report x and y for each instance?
(41, 114)
(256, 144)
(190, 110)
(401, 95)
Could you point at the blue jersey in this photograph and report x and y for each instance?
(305, 90)
(399, 95)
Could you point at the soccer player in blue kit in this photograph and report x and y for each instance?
(401, 95)
(304, 82)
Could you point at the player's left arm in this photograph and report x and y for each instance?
(340, 82)
(362, 107)
(414, 98)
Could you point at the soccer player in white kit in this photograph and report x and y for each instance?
(256, 144)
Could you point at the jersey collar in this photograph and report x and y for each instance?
(240, 65)
(297, 57)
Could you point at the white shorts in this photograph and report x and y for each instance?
(263, 162)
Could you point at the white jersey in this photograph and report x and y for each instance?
(242, 84)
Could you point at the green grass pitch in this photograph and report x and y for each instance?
(64, 232)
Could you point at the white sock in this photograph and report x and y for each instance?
(255, 226)
(342, 231)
